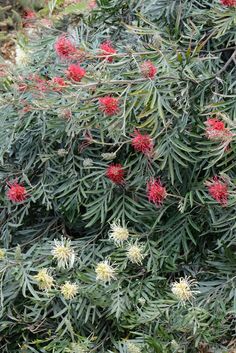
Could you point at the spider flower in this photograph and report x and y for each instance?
(118, 233)
(69, 290)
(105, 272)
(135, 254)
(44, 280)
(183, 290)
(63, 253)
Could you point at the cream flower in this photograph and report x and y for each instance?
(108, 156)
(132, 348)
(87, 162)
(22, 57)
(77, 348)
(117, 233)
(63, 253)
(69, 290)
(182, 289)
(44, 280)
(105, 272)
(2, 254)
(135, 254)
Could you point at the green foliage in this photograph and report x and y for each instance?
(61, 163)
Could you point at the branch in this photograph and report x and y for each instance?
(227, 63)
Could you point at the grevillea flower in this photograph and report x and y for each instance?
(108, 156)
(69, 290)
(115, 173)
(92, 4)
(142, 143)
(148, 69)
(156, 193)
(65, 49)
(105, 272)
(118, 233)
(218, 189)
(87, 162)
(229, 3)
(2, 254)
(63, 253)
(16, 192)
(133, 348)
(216, 130)
(182, 289)
(58, 84)
(107, 50)
(75, 72)
(29, 14)
(44, 280)
(29, 17)
(22, 57)
(109, 105)
(135, 254)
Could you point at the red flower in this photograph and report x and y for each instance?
(108, 50)
(29, 14)
(16, 192)
(92, 4)
(115, 173)
(75, 72)
(229, 3)
(216, 130)
(156, 193)
(29, 17)
(218, 189)
(58, 83)
(109, 105)
(142, 143)
(148, 69)
(64, 48)
(215, 123)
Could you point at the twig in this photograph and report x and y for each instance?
(227, 63)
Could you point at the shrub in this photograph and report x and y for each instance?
(117, 169)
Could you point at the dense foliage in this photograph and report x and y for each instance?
(117, 147)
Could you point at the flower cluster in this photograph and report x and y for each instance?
(218, 189)
(64, 48)
(115, 172)
(2, 254)
(22, 57)
(148, 69)
(156, 192)
(216, 130)
(182, 289)
(105, 272)
(132, 348)
(69, 290)
(75, 72)
(142, 143)
(118, 234)
(44, 280)
(109, 105)
(29, 17)
(63, 253)
(229, 3)
(135, 254)
(107, 50)
(16, 192)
